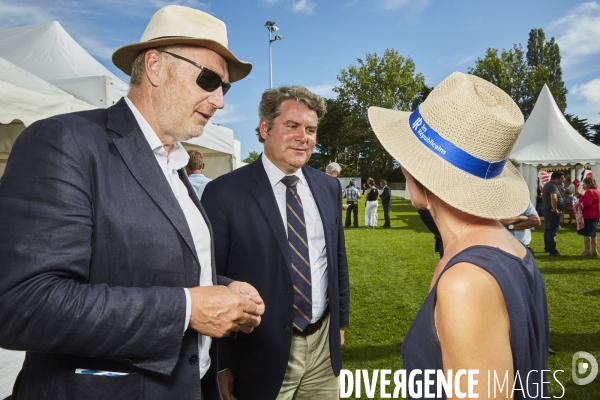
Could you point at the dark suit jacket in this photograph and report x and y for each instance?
(386, 196)
(251, 245)
(94, 253)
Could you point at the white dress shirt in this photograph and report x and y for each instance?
(169, 163)
(314, 231)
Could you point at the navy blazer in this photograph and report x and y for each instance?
(251, 245)
(94, 252)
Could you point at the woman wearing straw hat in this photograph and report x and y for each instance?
(487, 307)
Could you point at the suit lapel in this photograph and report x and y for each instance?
(141, 162)
(263, 192)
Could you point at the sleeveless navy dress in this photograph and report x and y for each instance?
(524, 293)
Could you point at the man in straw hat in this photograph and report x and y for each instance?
(277, 224)
(487, 307)
(106, 252)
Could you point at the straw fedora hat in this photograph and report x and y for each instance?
(183, 25)
(457, 144)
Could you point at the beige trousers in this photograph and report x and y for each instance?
(309, 374)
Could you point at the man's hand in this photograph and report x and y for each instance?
(248, 291)
(344, 206)
(217, 310)
(342, 338)
(226, 383)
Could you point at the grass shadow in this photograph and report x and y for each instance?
(371, 352)
(552, 270)
(574, 342)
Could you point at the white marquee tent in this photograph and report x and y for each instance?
(549, 142)
(50, 53)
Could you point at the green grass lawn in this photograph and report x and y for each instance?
(390, 273)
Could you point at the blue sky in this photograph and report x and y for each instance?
(321, 37)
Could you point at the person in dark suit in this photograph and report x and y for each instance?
(386, 202)
(278, 225)
(106, 252)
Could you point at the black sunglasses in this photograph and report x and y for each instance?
(207, 79)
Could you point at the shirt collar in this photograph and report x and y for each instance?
(178, 157)
(275, 175)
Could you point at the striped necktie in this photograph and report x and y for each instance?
(298, 243)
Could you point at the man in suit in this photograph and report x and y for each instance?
(106, 253)
(278, 225)
(386, 201)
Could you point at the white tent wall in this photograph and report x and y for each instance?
(530, 174)
(237, 154)
(217, 146)
(100, 91)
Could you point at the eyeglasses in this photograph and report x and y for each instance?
(207, 79)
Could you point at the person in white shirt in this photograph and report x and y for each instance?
(106, 253)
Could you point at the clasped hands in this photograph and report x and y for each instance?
(219, 310)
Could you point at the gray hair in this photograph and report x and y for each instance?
(139, 66)
(333, 167)
(272, 99)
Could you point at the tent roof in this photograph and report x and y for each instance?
(547, 138)
(27, 98)
(49, 52)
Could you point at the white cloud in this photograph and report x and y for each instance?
(228, 115)
(304, 6)
(590, 91)
(270, 1)
(17, 15)
(324, 90)
(578, 33)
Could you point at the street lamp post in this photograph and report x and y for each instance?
(271, 28)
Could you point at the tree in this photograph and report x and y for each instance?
(580, 125)
(389, 81)
(331, 138)
(253, 156)
(543, 57)
(594, 134)
(522, 76)
(509, 71)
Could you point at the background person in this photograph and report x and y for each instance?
(591, 213)
(487, 307)
(352, 194)
(371, 204)
(105, 249)
(552, 204)
(194, 170)
(334, 169)
(521, 225)
(386, 201)
(277, 223)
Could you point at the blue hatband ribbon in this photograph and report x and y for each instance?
(451, 153)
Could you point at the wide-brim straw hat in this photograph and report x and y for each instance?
(183, 25)
(463, 134)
